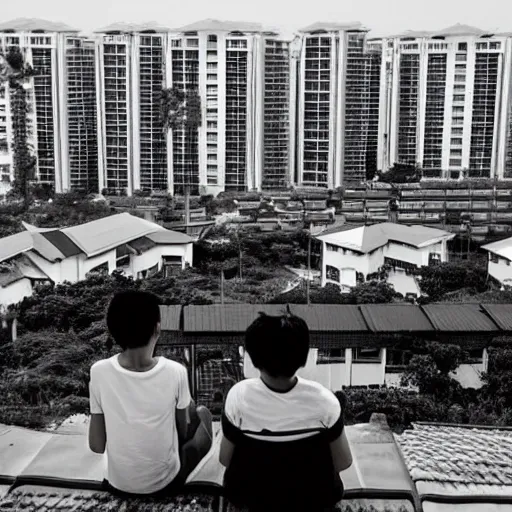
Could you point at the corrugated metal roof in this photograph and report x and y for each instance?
(331, 317)
(238, 317)
(501, 314)
(101, 235)
(396, 318)
(170, 318)
(62, 242)
(166, 236)
(459, 318)
(31, 24)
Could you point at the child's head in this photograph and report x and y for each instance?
(133, 318)
(278, 345)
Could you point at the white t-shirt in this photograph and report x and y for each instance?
(260, 412)
(140, 420)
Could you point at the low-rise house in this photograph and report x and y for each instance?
(135, 246)
(352, 253)
(500, 257)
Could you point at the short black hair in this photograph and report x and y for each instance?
(278, 345)
(132, 317)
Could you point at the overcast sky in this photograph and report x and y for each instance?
(381, 16)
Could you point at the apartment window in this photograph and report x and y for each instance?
(461, 57)
(332, 273)
(194, 43)
(457, 120)
(331, 355)
(457, 131)
(456, 141)
(460, 67)
(211, 125)
(211, 77)
(211, 66)
(481, 46)
(456, 152)
(211, 90)
(460, 78)
(475, 356)
(455, 162)
(176, 43)
(463, 47)
(494, 46)
(458, 97)
(366, 355)
(456, 110)
(459, 87)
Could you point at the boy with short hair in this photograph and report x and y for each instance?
(141, 406)
(283, 436)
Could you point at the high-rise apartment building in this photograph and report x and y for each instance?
(62, 108)
(447, 96)
(131, 63)
(242, 76)
(337, 121)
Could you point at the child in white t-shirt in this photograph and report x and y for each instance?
(283, 440)
(142, 414)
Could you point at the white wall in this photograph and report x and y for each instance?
(15, 292)
(500, 271)
(469, 375)
(88, 264)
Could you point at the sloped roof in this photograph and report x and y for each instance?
(459, 30)
(501, 315)
(61, 242)
(129, 28)
(459, 318)
(459, 461)
(165, 236)
(236, 318)
(502, 248)
(101, 235)
(212, 25)
(366, 239)
(22, 268)
(35, 24)
(13, 245)
(413, 34)
(170, 318)
(329, 26)
(395, 318)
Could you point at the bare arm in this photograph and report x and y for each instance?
(182, 422)
(341, 454)
(97, 433)
(226, 451)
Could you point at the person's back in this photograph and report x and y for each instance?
(282, 432)
(136, 400)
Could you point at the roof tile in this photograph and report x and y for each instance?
(459, 318)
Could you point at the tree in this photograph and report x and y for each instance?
(402, 173)
(16, 73)
(438, 280)
(430, 368)
(498, 378)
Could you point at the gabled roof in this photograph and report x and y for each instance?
(330, 26)
(412, 34)
(129, 28)
(501, 248)
(459, 30)
(22, 268)
(35, 24)
(211, 25)
(459, 460)
(366, 239)
(101, 235)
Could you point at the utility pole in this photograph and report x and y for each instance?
(308, 285)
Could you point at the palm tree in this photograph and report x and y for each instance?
(15, 73)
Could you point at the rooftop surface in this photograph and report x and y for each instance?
(212, 25)
(366, 239)
(384, 318)
(450, 463)
(150, 26)
(502, 248)
(91, 238)
(330, 26)
(34, 24)
(57, 460)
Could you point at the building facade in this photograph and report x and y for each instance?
(61, 119)
(447, 106)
